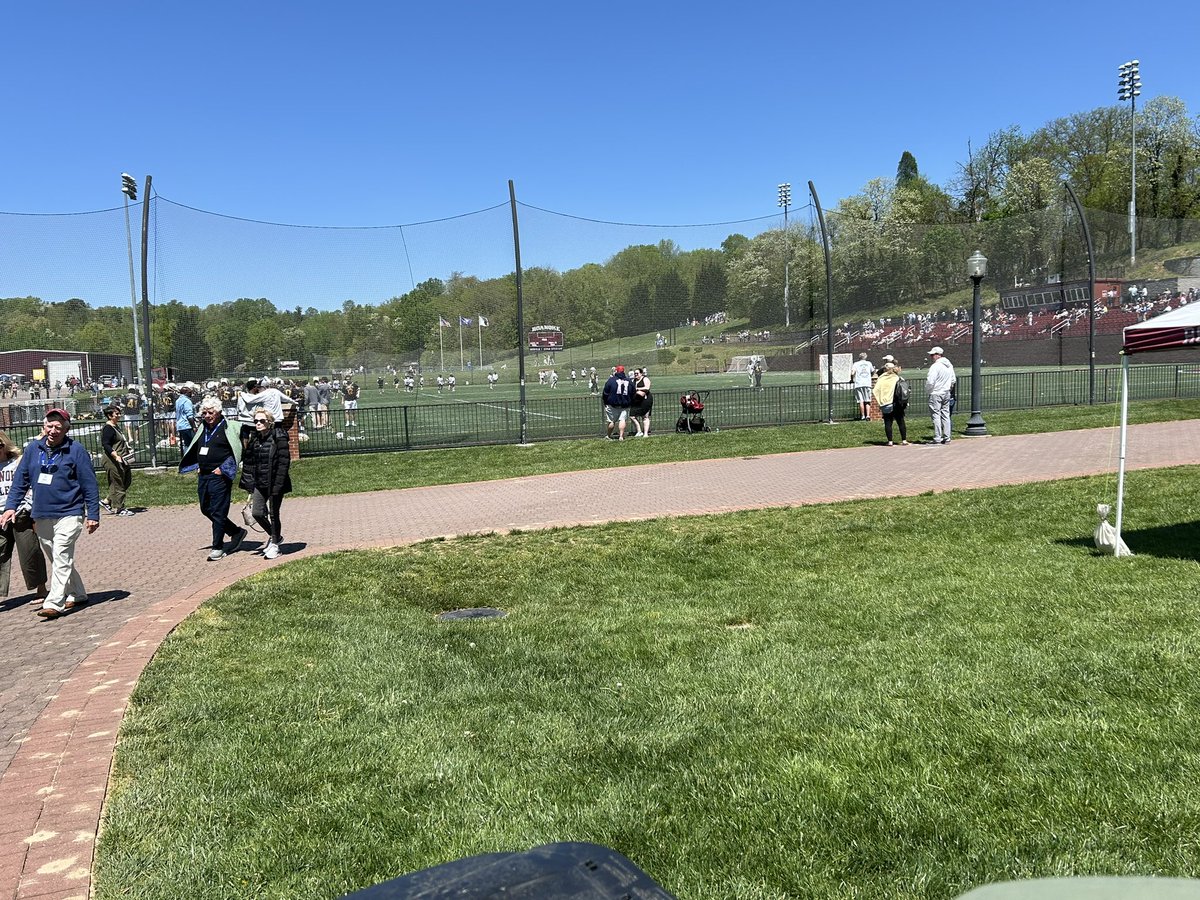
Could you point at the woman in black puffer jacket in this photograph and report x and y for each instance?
(265, 465)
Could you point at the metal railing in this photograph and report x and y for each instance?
(430, 426)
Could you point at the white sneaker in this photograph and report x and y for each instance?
(272, 550)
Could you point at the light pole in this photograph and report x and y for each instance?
(129, 189)
(785, 200)
(1129, 88)
(976, 269)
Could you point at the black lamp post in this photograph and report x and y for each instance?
(976, 269)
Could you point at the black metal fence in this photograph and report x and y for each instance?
(464, 424)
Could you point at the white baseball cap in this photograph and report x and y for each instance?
(936, 351)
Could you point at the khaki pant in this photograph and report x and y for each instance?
(119, 478)
(58, 537)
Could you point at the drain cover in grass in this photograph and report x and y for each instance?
(479, 612)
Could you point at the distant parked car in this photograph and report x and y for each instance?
(110, 381)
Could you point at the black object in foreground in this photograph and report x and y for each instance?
(564, 871)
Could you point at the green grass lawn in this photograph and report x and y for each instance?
(899, 698)
(318, 476)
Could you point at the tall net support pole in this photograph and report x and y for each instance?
(1091, 256)
(147, 384)
(828, 298)
(512, 200)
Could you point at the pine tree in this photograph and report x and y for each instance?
(906, 171)
(711, 290)
(190, 354)
(672, 303)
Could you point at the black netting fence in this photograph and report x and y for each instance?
(395, 309)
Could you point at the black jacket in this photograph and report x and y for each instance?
(266, 462)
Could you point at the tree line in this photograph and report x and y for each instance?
(898, 243)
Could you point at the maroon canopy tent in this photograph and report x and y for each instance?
(1174, 330)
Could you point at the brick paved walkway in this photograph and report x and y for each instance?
(67, 682)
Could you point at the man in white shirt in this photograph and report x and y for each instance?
(860, 377)
(261, 393)
(940, 385)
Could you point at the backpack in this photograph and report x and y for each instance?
(900, 398)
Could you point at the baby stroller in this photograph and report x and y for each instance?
(691, 420)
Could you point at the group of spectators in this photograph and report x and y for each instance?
(627, 400)
(50, 494)
(886, 386)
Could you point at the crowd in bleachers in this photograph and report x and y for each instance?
(1113, 314)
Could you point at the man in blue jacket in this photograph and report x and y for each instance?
(66, 500)
(618, 395)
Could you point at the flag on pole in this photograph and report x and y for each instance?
(442, 323)
(464, 320)
(483, 322)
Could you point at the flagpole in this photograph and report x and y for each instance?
(480, 341)
(461, 365)
(441, 349)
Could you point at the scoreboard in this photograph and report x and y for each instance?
(545, 337)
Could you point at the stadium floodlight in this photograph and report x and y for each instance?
(976, 271)
(785, 200)
(129, 189)
(1129, 87)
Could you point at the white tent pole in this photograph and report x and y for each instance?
(1121, 464)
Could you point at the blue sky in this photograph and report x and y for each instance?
(371, 113)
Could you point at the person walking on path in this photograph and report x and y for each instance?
(19, 536)
(940, 385)
(265, 473)
(117, 457)
(618, 394)
(66, 502)
(891, 393)
(215, 453)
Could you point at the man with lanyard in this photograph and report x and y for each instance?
(66, 501)
(215, 453)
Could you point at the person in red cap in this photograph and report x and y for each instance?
(618, 395)
(66, 501)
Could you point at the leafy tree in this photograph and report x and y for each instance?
(735, 245)
(981, 178)
(906, 169)
(264, 344)
(94, 337)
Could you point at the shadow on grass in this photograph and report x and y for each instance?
(1178, 541)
